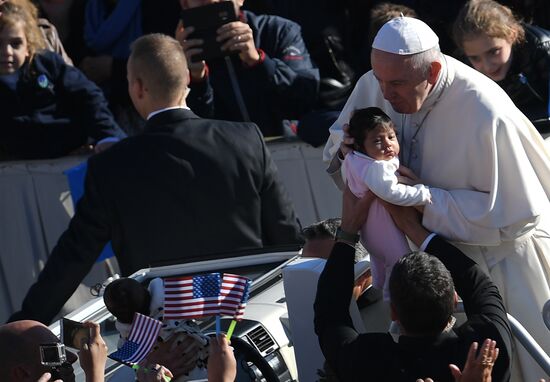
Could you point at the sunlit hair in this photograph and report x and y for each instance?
(486, 17)
(364, 120)
(159, 61)
(22, 11)
(422, 61)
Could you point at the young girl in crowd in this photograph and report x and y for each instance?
(373, 165)
(515, 55)
(47, 108)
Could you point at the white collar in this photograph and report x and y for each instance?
(151, 115)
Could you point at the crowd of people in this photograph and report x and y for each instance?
(286, 73)
(437, 142)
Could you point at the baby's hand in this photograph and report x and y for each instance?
(408, 176)
(346, 146)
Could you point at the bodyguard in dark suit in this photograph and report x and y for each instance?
(185, 188)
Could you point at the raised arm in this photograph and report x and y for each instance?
(381, 179)
(333, 323)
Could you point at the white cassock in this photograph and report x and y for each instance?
(489, 170)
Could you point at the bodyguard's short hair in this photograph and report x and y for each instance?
(422, 293)
(159, 61)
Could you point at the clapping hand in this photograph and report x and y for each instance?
(477, 369)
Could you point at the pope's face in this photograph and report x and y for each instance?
(403, 86)
(491, 56)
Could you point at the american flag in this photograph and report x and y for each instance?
(143, 335)
(192, 296)
(234, 295)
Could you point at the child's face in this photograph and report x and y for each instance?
(491, 56)
(381, 143)
(13, 48)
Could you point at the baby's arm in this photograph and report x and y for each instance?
(381, 179)
(407, 176)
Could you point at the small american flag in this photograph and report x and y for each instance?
(234, 295)
(143, 335)
(192, 296)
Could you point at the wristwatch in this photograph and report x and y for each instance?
(346, 236)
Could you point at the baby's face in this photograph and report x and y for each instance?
(13, 48)
(381, 143)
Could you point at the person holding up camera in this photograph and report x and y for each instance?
(31, 352)
(268, 78)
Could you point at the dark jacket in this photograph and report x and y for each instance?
(53, 110)
(376, 357)
(184, 189)
(527, 81)
(283, 86)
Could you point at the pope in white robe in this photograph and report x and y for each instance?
(489, 175)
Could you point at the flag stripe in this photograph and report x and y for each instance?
(204, 295)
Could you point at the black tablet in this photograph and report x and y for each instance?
(206, 20)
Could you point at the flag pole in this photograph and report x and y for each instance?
(218, 325)
(231, 329)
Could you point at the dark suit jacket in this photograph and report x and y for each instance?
(187, 187)
(376, 357)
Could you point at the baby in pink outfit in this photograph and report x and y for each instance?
(373, 165)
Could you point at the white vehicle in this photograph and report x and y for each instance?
(261, 340)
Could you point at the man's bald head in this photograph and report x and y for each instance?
(158, 61)
(20, 349)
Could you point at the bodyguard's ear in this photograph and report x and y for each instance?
(435, 69)
(139, 87)
(393, 313)
(187, 77)
(456, 299)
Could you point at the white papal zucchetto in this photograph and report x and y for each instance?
(405, 35)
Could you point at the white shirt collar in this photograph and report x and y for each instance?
(151, 115)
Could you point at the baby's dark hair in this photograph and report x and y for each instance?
(124, 297)
(364, 120)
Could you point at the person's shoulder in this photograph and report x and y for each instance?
(536, 35)
(49, 62)
(125, 149)
(231, 127)
(45, 55)
(271, 21)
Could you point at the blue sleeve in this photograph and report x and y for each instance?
(89, 107)
(290, 73)
(201, 98)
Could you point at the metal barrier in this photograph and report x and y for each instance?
(529, 343)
